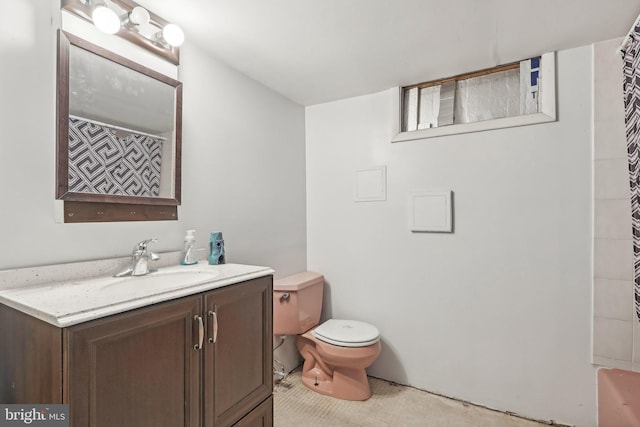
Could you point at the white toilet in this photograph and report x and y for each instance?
(337, 352)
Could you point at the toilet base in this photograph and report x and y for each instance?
(336, 371)
(346, 384)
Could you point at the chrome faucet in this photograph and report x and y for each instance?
(140, 260)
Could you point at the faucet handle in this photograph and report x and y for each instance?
(142, 246)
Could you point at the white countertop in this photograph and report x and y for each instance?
(71, 302)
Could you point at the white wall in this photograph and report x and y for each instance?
(243, 161)
(497, 313)
(616, 331)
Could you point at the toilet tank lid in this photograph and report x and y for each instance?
(297, 281)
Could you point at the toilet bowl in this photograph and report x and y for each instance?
(337, 352)
(337, 368)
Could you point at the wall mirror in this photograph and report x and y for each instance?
(118, 136)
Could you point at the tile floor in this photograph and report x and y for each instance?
(390, 405)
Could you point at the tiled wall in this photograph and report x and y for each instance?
(616, 333)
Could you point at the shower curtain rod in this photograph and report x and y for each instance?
(628, 38)
(117, 127)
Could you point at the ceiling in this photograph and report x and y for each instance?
(315, 51)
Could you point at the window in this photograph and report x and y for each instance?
(509, 95)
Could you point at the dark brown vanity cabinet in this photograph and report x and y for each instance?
(199, 361)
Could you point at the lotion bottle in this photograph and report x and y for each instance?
(190, 253)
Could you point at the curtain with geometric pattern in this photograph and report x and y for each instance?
(631, 85)
(101, 162)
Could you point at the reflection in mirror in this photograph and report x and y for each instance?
(119, 128)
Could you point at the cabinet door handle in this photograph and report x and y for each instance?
(214, 326)
(200, 332)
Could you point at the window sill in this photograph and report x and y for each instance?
(507, 122)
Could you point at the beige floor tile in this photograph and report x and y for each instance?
(390, 405)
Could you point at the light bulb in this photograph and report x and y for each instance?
(139, 15)
(173, 34)
(105, 19)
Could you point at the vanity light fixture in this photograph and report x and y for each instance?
(173, 34)
(131, 21)
(105, 18)
(139, 16)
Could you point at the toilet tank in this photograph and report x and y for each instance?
(297, 302)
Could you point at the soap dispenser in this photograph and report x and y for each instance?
(190, 253)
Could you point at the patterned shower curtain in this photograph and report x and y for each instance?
(631, 56)
(101, 162)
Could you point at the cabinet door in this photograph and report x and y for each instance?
(136, 369)
(262, 416)
(238, 365)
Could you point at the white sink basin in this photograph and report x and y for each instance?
(161, 280)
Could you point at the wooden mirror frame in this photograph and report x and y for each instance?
(93, 207)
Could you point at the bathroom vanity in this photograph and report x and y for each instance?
(143, 351)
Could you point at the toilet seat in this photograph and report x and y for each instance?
(347, 333)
